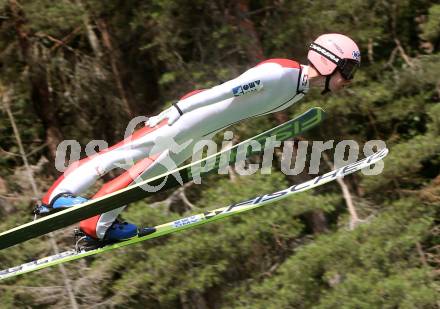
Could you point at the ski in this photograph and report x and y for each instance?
(136, 191)
(198, 219)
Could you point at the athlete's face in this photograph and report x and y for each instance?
(337, 82)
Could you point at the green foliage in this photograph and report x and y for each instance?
(58, 19)
(374, 266)
(431, 28)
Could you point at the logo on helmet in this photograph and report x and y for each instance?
(338, 48)
(356, 55)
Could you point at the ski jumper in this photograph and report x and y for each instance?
(271, 86)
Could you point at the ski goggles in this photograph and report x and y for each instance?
(347, 67)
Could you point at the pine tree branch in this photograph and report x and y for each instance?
(404, 56)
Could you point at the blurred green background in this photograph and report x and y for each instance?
(81, 69)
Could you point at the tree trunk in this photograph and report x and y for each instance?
(107, 42)
(317, 221)
(44, 106)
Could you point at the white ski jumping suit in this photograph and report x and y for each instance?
(271, 86)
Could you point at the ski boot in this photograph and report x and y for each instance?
(59, 202)
(118, 231)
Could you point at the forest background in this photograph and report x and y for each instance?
(81, 69)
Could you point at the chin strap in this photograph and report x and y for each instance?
(327, 83)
